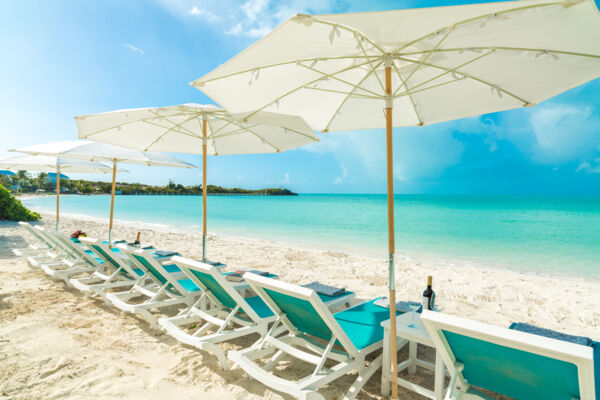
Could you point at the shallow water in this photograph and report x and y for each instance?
(555, 234)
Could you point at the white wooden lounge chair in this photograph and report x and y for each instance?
(171, 287)
(53, 253)
(39, 246)
(517, 364)
(228, 312)
(113, 271)
(74, 261)
(316, 336)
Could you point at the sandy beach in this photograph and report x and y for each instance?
(55, 343)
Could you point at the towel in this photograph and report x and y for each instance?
(166, 253)
(520, 326)
(325, 289)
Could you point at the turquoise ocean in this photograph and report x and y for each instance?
(548, 234)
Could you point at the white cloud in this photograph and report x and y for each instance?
(203, 14)
(286, 179)
(254, 18)
(131, 47)
(564, 133)
(340, 179)
(589, 167)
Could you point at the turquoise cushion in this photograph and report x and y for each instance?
(188, 285)
(362, 323)
(138, 271)
(259, 306)
(514, 373)
(170, 268)
(88, 251)
(301, 314)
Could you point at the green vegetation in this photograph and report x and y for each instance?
(27, 184)
(11, 209)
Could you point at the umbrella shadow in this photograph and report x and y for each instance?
(7, 243)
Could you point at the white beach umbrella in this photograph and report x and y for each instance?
(426, 65)
(93, 151)
(196, 128)
(57, 165)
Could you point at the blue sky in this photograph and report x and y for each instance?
(66, 58)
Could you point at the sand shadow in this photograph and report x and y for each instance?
(7, 243)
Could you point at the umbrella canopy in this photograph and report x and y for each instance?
(447, 63)
(93, 151)
(179, 129)
(55, 164)
(197, 128)
(421, 66)
(103, 152)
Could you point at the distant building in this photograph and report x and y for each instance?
(6, 173)
(52, 177)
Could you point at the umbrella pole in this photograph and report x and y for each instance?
(204, 190)
(391, 242)
(112, 203)
(57, 195)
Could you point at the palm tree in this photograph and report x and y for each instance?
(21, 177)
(41, 179)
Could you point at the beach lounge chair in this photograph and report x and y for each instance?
(113, 270)
(41, 244)
(231, 314)
(517, 364)
(53, 253)
(316, 336)
(75, 259)
(171, 287)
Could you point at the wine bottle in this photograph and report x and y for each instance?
(428, 295)
(137, 240)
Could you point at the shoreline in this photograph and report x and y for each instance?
(411, 257)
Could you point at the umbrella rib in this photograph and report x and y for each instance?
(491, 85)
(296, 61)
(145, 119)
(412, 100)
(427, 56)
(336, 78)
(411, 92)
(370, 64)
(179, 125)
(347, 97)
(260, 137)
(507, 48)
(466, 21)
(455, 69)
(302, 86)
(346, 93)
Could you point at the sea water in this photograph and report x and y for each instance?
(554, 234)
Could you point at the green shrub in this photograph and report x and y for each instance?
(12, 209)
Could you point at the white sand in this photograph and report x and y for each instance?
(54, 343)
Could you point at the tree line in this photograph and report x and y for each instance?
(24, 183)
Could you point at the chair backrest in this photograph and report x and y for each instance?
(512, 363)
(103, 252)
(146, 261)
(73, 249)
(37, 234)
(57, 238)
(301, 309)
(46, 237)
(213, 283)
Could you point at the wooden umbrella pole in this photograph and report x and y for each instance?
(204, 136)
(57, 195)
(112, 202)
(391, 241)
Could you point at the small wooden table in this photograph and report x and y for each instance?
(414, 337)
